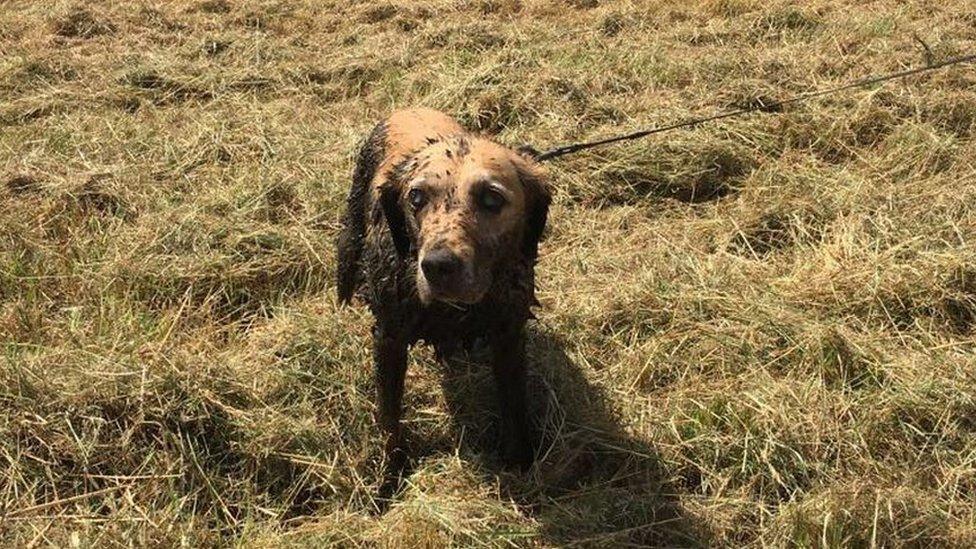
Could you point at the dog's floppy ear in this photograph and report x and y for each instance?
(395, 220)
(537, 199)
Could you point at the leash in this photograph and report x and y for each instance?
(756, 106)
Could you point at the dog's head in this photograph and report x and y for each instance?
(460, 207)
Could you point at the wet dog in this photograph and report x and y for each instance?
(440, 239)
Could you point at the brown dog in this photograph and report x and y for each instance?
(440, 236)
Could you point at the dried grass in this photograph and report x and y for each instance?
(757, 332)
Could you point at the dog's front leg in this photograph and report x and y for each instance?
(390, 362)
(508, 365)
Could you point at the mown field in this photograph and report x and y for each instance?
(757, 332)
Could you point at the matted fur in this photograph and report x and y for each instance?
(383, 239)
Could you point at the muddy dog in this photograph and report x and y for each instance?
(440, 239)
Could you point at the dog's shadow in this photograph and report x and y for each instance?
(592, 484)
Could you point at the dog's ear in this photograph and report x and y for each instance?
(395, 219)
(537, 198)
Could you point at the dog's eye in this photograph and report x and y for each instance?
(491, 200)
(417, 198)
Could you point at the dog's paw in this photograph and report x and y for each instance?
(395, 472)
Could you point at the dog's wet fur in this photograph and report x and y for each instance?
(440, 239)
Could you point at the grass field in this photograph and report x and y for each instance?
(758, 332)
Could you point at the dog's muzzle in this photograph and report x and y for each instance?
(446, 276)
(442, 269)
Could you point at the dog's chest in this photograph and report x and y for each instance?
(442, 324)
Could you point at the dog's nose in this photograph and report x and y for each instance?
(440, 266)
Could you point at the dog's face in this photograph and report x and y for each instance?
(463, 205)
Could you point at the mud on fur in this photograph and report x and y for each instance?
(440, 237)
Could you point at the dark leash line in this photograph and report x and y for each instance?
(755, 106)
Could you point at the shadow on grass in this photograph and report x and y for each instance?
(592, 484)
